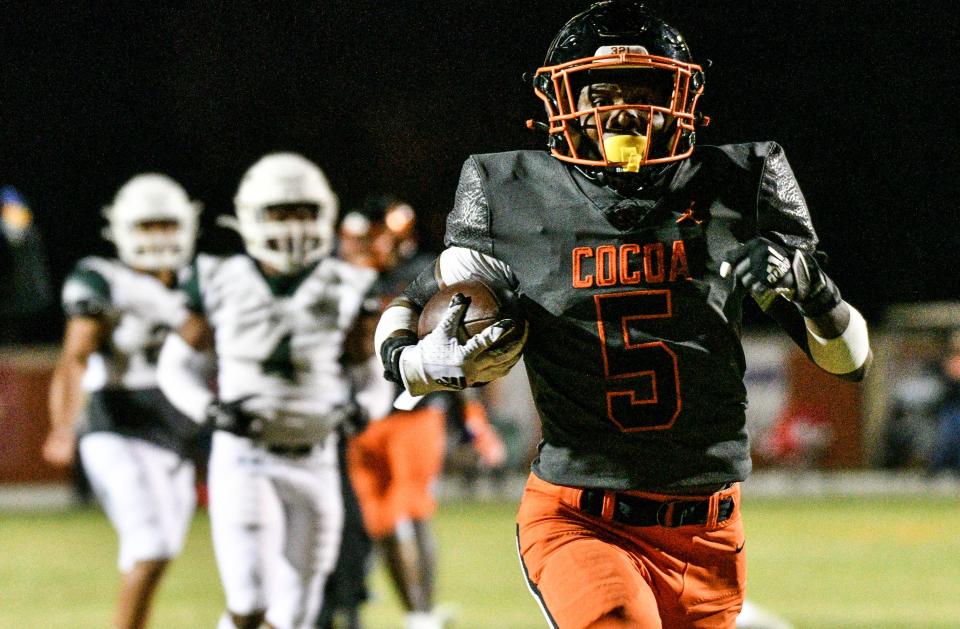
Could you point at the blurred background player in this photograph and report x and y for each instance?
(945, 455)
(279, 321)
(26, 291)
(135, 447)
(396, 462)
(382, 234)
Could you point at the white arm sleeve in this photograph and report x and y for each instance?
(180, 370)
(459, 263)
(394, 318)
(846, 353)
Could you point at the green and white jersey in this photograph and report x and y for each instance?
(279, 340)
(140, 311)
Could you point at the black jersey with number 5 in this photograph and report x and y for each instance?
(634, 354)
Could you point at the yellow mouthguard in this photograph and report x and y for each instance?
(626, 149)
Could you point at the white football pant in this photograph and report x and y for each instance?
(277, 522)
(147, 492)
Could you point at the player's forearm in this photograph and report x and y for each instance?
(398, 320)
(397, 329)
(838, 341)
(180, 378)
(81, 339)
(66, 394)
(831, 324)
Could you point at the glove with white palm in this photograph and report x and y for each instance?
(440, 362)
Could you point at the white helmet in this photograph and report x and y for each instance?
(146, 198)
(279, 179)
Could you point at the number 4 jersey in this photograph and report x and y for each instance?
(279, 339)
(634, 353)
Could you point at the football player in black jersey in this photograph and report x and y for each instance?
(632, 251)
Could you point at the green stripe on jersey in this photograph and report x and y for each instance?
(92, 280)
(191, 287)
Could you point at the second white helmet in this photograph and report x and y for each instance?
(285, 179)
(152, 198)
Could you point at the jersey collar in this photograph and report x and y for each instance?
(287, 284)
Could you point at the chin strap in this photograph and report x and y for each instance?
(627, 183)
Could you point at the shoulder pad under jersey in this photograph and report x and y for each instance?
(86, 291)
(782, 212)
(468, 224)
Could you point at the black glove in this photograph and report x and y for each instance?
(230, 417)
(768, 269)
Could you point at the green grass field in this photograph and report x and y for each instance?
(821, 563)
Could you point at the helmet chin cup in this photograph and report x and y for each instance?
(625, 151)
(288, 246)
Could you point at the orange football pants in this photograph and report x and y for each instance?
(393, 465)
(581, 567)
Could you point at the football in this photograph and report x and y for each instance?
(486, 307)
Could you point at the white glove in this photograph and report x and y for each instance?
(439, 362)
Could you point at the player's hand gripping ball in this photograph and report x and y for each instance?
(469, 334)
(485, 307)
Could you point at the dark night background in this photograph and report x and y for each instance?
(393, 96)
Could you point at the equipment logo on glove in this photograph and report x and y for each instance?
(777, 266)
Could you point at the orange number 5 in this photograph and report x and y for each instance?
(642, 379)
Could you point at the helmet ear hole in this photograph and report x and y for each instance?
(696, 80)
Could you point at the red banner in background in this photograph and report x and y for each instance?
(798, 415)
(24, 381)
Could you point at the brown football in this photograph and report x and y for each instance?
(486, 307)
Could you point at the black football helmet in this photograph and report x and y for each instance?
(622, 41)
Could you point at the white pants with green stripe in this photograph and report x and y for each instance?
(277, 521)
(147, 492)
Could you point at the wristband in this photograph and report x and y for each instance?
(846, 353)
(390, 351)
